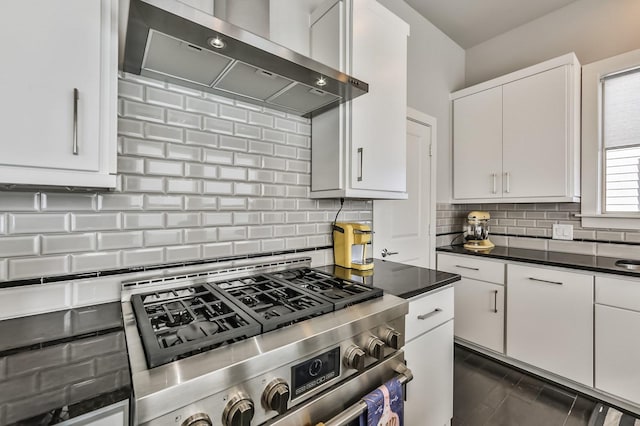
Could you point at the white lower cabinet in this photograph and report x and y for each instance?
(429, 356)
(550, 320)
(617, 344)
(480, 313)
(430, 394)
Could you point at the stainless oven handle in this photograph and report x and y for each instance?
(360, 407)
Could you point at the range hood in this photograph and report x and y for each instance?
(171, 41)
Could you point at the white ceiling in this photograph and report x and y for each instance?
(470, 22)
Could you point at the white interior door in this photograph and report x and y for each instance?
(405, 227)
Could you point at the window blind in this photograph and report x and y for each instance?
(621, 140)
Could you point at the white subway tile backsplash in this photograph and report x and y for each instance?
(200, 235)
(217, 157)
(298, 166)
(69, 243)
(213, 250)
(274, 163)
(304, 154)
(609, 236)
(119, 202)
(273, 245)
(275, 217)
(273, 136)
(163, 202)
(247, 131)
(143, 220)
(201, 138)
(143, 148)
(183, 119)
(528, 243)
(37, 266)
(180, 152)
(304, 129)
(202, 106)
(299, 141)
(318, 240)
(19, 246)
(246, 188)
(184, 90)
(143, 111)
(163, 98)
(247, 105)
(119, 240)
(257, 232)
(232, 113)
(130, 128)
(297, 191)
(286, 125)
(286, 151)
(284, 230)
(95, 222)
(260, 175)
(260, 119)
(33, 223)
(98, 261)
(304, 180)
(217, 125)
(221, 218)
(232, 233)
(286, 178)
(200, 171)
(306, 229)
(68, 202)
(183, 186)
(217, 187)
(182, 253)
(130, 165)
(274, 190)
(572, 247)
(265, 148)
(295, 243)
(30, 300)
(163, 133)
(232, 143)
(182, 220)
(232, 203)
(246, 218)
(246, 160)
(246, 247)
(218, 99)
(296, 217)
(19, 201)
(285, 204)
(162, 237)
(260, 204)
(152, 256)
(143, 184)
(232, 173)
(130, 90)
(143, 80)
(200, 203)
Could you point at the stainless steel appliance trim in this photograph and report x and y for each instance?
(76, 97)
(346, 395)
(545, 281)
(359, 408)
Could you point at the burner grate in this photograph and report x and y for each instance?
(180, 322)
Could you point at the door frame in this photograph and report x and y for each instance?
(430, 122)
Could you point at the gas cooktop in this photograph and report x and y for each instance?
(175, 323)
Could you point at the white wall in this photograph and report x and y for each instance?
(593, 29)
(435, 68)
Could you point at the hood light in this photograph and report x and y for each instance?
(216, 42)
(321, 82)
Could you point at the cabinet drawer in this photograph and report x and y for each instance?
(472, 267)
(621, 293)
(434, 309)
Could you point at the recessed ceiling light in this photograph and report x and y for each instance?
(217, 42)
(321, 82)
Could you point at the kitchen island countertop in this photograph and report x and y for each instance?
(61, 365)
(401, 280)
(549, 258)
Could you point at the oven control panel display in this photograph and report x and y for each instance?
(315, 372)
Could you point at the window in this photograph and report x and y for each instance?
(621, 141)
(611, 142)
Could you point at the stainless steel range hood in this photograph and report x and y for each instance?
(170, 41)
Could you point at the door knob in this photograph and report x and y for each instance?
(386, 252)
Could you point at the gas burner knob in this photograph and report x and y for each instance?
(375, 348)
(200, 419)
(276, 396)
(392, 338)
(354, 358)
(239, 411)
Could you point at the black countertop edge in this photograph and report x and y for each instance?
(111, 272)
(581, 262)
(394, 278)
(67, 412)
(544, 237)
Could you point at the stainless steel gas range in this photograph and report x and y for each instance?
(259, 344)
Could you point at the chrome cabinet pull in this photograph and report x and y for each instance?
(430, 314)
(495, 189)
(76, 97)
(360, 154)
(545, 281)
(467, 267)
(495, 301)
(508, 175)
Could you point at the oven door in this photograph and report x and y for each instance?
(342, 405)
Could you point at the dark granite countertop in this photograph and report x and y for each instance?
(550, 258)
(401, 280)
(61, 365)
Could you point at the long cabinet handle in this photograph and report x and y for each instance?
(467, 267)
(429, 314)
(495, 301)
(545, 281)
(76, 97)
(495, 188)
(508, 186)
(360, 155)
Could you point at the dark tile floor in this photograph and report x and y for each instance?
(490, 393)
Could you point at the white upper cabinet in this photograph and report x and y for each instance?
(58, 107)
(516, 138)
(359, 148)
